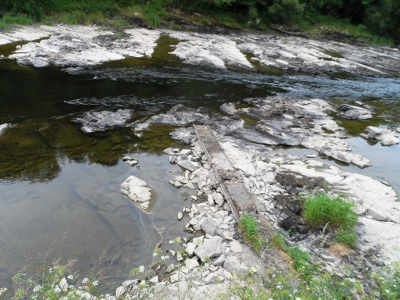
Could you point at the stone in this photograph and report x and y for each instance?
(347, 157)
(218, 199)
(386, 136)
(180, 216)
(210, 199)
(76, 45)
(187, 164)
(102, 120)
(138, 191)
(353, 112)
(236, 247)
(120, 291)
(176, 184)
(154, 280)
(211, 248)
(209, 226)
(130, 160)
(191, 263)
(190, 247)
(129, 283)
(179, 115)
(228, 108)
(63, 284)
(216, 51)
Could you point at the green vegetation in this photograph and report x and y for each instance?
(249, 229)
(385, 286)
(373, 21)
(301, 259)
(321, 211)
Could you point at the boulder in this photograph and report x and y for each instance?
(138, 191)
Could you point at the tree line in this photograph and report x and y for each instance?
(379, 16)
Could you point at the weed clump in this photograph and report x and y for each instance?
(334, 213)
(249, 228)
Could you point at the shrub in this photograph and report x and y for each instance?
(286, 11)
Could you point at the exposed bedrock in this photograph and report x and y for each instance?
(79, 46)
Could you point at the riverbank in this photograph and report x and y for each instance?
(77, 46)
(255, 136)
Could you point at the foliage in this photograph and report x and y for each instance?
(335, 213)
(249, 228)
(321, 210)
(347, 237)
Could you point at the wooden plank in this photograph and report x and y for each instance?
(230, 181)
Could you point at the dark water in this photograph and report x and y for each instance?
(59, 187)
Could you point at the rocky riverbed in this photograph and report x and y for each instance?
(255, 136)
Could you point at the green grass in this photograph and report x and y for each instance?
(347, 237)
(7, 20)
(321, 211)
(249, 228)
(322, 25)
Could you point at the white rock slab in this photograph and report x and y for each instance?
(138, 191)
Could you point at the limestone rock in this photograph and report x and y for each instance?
(386, 136)
(211, 248)
(102, 120)
(352, 112)
(138, 191)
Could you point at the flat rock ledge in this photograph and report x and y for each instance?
(138, 191)
(82, 46)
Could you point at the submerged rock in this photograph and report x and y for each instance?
(138, 191)
(386, 136)
(102, 120)
(130, 160)
(352, 112)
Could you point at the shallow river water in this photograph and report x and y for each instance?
(59, 187)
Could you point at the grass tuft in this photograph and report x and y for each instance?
(320, 210)
(249, 228)
(335, 213)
